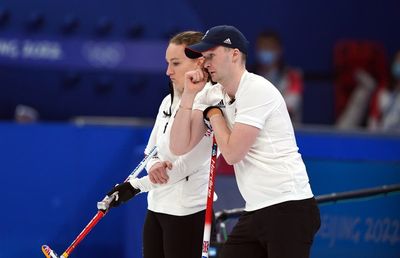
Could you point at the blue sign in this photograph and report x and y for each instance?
(78, 53)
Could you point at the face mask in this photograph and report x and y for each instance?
(396, 70)
(267, 57)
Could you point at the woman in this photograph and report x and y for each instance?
(177, 185)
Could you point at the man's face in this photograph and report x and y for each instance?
(178, 65)
(268, 51)
(218, 61)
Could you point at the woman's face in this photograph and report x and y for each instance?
(178, 64)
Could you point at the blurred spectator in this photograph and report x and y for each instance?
(360, 70)
(270, 64)
(385, 115)
(354, 113)
(25, 114)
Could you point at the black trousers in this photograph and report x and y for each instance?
(168, 236)
(284, 230)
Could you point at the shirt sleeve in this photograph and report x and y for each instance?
(255, 103)
(180, 170)
(200, 102)
(211, 95)
(153, 136)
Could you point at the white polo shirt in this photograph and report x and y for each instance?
(273, 170)
(186, 190)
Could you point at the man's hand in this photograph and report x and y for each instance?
(195, 81)
(158, 172)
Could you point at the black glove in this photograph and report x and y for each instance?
(205, 116)
(125, 193)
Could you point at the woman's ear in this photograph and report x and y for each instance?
(200, 62)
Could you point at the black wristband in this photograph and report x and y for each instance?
(205, 112)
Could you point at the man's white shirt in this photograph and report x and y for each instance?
(273, 170)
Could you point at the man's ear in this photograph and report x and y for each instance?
(235, 55)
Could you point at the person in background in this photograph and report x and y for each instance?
(270, 64)
(356, 109)
(177, 185)
(25, 114)
(360, 72)
(385, 115)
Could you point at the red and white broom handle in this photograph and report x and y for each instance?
(104, 205)
(100, 214)
(210, 200)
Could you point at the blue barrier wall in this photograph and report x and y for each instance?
(344, 162)
(369, 227)
(53, 175)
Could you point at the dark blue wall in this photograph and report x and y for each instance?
(53, 175)
(309, 31)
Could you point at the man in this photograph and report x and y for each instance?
(254, 133)
(270, 64)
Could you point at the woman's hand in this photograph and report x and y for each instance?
(158, 172)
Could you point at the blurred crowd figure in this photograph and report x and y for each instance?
(360, 70)
(270, 64)
(25, 114)
(366, 96)
(386, 115)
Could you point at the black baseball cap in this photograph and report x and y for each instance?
(222, 35)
